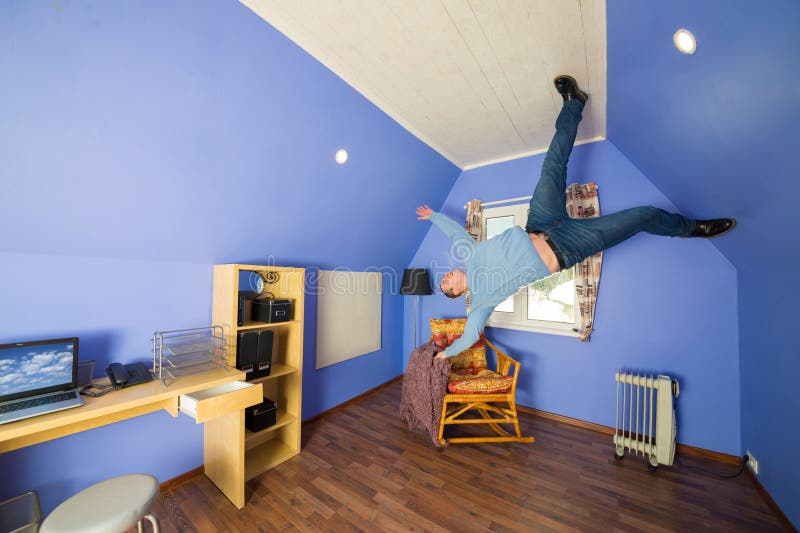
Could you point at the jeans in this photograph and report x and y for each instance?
(577, 239)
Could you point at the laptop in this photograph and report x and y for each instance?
(37, 378)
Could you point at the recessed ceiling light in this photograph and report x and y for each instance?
(341, 156)
(684, 41)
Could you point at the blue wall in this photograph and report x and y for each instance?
(770, 366)
(143, 142)
(665, 305)
(717, 133)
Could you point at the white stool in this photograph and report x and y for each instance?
(111, 506)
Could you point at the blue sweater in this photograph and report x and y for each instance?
(496, 269)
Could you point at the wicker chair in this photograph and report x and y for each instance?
(495, 407)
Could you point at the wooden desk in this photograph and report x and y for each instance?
(223, 414)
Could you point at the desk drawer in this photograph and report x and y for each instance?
(210, 403)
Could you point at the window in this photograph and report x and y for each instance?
(548, 305)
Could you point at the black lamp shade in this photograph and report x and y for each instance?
(415, 282)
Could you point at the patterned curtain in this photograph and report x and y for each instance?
(474, 212)
(473, 227)
(582, 202)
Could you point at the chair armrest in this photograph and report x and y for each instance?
(506, 365)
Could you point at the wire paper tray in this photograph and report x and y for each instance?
(187, 351)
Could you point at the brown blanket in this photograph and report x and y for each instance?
(424, 387)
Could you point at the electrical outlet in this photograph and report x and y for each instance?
(752, 462)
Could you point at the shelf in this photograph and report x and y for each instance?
(249, 324)
(270, 454)
(272, 446)
(119, 405)
(252, 438)
(277, 371)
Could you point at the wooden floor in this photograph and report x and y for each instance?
(362, 470)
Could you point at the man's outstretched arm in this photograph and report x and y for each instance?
(454, 231)
(472, 331)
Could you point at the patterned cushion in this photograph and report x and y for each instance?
(488, 383)
(445, 331)
(459, 374)
(468, 372)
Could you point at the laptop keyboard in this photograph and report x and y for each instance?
(33, 402)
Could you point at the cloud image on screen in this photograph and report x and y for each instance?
(35, 367)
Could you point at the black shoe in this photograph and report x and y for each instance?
(708, 229)
(567, 87)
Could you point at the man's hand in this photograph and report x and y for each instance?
(441, 355)
(424, 212)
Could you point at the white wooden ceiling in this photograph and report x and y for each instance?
(471, 78)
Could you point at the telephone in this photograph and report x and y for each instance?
(127, 375)
(120, 376)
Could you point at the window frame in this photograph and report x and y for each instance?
(518, 319)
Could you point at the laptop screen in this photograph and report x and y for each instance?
(31, 368)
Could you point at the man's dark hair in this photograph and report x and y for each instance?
(449, 293)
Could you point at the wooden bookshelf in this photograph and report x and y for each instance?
(270, 447)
